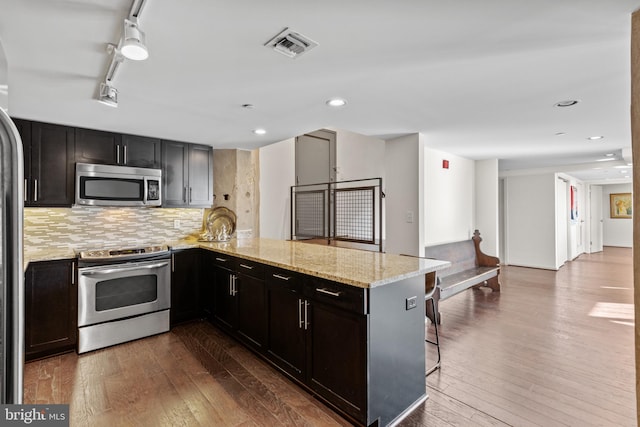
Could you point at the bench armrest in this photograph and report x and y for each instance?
(482, 259)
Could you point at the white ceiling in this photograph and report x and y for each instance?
(478, 78)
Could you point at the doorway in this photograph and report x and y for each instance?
(316, 157)
(596, 223)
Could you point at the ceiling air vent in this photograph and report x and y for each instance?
(291, 43)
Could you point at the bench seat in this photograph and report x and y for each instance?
(470, 268)
(458, 282)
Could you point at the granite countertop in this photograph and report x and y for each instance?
(364, 269)
(46, 255)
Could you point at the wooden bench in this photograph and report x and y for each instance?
(470, 268)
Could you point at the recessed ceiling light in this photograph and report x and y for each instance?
(566, 103)
(259, 131)
(594, 138)
(336, 102)
(609, 154)
(561, 133)
(248, 106)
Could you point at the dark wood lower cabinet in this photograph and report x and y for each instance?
(337, 357)
(251, 314)
(360, 350)
(51, 308)
(186, 303)
(286, 343)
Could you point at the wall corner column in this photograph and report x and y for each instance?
(635, 146)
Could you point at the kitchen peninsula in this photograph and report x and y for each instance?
(347, 324)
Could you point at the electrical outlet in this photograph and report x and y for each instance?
(176, 223)
(412, 302)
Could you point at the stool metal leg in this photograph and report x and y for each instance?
(436, 342)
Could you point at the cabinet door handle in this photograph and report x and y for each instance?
(117, 154)
(221, 259)
(306, 315)
(26, 185)
(184, 194)
(124, 154)
(300, 321)
(328, 292)
(190, 194)
(73, 272)
(35, 190)
(173, 263)
(232, 285)
(277, 276)
(248, 267)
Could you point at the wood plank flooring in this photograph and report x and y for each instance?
(551, 349)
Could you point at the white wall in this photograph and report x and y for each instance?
(487, 205)
(449, 198)
(617, 231)
(358, 156)
(277, 175)
(404, 163)
(529, 221)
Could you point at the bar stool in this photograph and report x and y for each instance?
(430, 289)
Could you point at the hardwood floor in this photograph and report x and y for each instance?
(551, 349)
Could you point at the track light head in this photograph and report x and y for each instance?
(108, 95)
(133, 46)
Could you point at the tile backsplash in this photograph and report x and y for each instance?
(81, 228)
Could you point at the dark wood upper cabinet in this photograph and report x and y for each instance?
(187, 174)
(200, 175)
(51, 301)
(141, 151)
(48, 163)
(95, 146)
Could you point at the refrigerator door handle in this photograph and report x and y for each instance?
(11, 261)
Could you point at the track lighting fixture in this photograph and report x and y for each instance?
(133, 45)
(108, 95)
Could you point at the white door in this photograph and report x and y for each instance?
(315, 157)
(597, 220)
(562, 219)
(315, 164)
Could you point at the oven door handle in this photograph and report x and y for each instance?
(120, 270)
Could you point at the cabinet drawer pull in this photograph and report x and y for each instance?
(25, 189)
(328, 292)
(277, 276)
(248, 267)
(35, 190)
(221, 259)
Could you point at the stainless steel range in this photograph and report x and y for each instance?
(123, 295)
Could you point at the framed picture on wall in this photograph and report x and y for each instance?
(620, 205)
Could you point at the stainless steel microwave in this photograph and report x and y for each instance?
(106, 185)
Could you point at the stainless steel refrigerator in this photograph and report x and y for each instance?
(11, 261)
